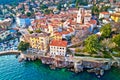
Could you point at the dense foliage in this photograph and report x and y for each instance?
(23, 46)
(38, 31)
(92, 44)
(106, 30)
(116, 39)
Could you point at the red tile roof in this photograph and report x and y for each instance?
(104, 13)
(58, 43)
(93, 22)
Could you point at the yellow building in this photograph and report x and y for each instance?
(116, 17)
(57, 36)
(38, 40)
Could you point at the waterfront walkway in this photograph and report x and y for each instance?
(10, 52)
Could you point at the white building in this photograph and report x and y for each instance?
(4, 34)
(104, 15)
(79, 15)
(58, 47)
(23, 21)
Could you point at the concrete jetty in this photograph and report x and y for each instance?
(10, 52)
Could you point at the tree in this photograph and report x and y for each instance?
(43, 7)
(38, 31)
(92, 44)
(106, 30)
(95, 10)
(81, 2)
(30, 31)
(104, 8)
(28, 14)
(77, 50)
(23, 46)
(116, 39)
(116, 27)
(47, 11)
(59, 6)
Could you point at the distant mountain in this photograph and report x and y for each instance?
(10, 1)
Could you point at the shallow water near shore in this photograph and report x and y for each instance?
(11, 69)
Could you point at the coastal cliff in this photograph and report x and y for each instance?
(76, 64)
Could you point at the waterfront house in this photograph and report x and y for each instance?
(115, 17)
(104, 15)
(38, 41)
(5, 34)
(58, 47)
(23, 21)
(5, 23)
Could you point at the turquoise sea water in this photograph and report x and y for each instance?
(11, 69)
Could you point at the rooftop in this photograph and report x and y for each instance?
(58, 43)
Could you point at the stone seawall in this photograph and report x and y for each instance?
(76, 64)
(11, 52)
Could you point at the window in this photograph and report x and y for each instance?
(41, 39)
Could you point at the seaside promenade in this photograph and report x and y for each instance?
(9, 52)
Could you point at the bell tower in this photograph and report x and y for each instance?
(79, 15)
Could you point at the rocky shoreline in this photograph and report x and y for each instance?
(91, 66)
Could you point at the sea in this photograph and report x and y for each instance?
(12, 69)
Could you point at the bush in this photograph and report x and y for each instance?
(78, 50)
(23, 46)
(116, 55)
(38, 31)
(79, 54)
(30, 31)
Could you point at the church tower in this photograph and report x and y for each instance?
(79, 15)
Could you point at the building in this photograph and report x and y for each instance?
(6, 23)
(38, 41)
(5, 35)
(23, 21)
(79, 15)
(64, 34)
(104, 15)
(83, 16)
(115, 17)
(58, 47)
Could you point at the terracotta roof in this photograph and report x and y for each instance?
(93, 22)
(116, 14)
(58, 43)
(104, 13)
(36, 35)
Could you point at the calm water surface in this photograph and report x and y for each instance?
(11, 69)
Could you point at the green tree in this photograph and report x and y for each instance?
(92, 44)
(23, 46)
(38, 31)
(47, 11)
(59, 6)
(106, 30)
(43, 7)
(95, 10)
(104, 8)
(77, 3)
(116, 39)
(77, 50)
(30, 31)
(28, 14)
